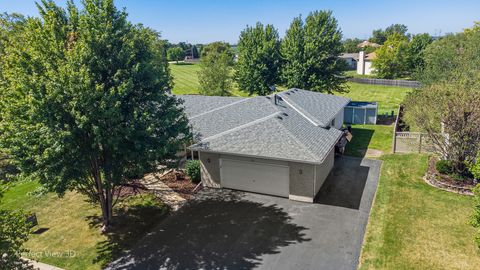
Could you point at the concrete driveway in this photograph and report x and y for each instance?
(225, 229)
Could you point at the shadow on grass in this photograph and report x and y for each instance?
(214, 234)
(129, 224)
(360, 142)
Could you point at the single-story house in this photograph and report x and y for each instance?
(351, 59)
(364, 65)
(282, 144)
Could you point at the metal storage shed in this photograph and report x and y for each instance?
(360, 112)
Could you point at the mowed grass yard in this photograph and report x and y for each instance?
(185, 77)
(415, 226)
(389, 97)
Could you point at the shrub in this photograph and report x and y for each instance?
(192, 168)
(444, 167)
(474, 167)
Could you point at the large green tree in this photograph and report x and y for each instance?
(215, 75)
(257, 70)
(310, 53)
(416, 49)
(293, 72)
(84, 101)
(380, 36)
(393, 58)
(447, 105)
(175, 54)
(323, 45)
(452, 58)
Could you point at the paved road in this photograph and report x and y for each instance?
(236, 230)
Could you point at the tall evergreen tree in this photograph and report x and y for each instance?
(257, 70)
(84, 104)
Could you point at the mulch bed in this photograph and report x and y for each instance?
(445, 182)
(180, 183)
(132, 189)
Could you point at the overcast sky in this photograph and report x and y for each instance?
(204, 21)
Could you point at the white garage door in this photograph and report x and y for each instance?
(255, 177)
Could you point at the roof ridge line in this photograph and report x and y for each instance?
(292, 104)
(219, 108)
(241, 127)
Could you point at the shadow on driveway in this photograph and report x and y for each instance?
(214, 234)
(345, 184)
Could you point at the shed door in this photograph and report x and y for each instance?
(255, 177)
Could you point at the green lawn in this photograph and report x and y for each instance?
(375, 138)
(415, 226)
(388, 97)
(185, 80)
(412, 225)
(73, 227)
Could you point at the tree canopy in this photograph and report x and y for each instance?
(175, 54)
(380, 36)
(350, 45)
(293, 72)
(392, 58)
(258, 67)
(310, 54)
(447, 106)
(215, 75)
(84, 101)
(400, 57)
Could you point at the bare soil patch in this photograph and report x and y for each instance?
(180, 183)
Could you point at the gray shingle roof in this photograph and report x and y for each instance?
(318, 107)
(258, 127)
(196, 104)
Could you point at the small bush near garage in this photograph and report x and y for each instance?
(192, 168)
(444, 167)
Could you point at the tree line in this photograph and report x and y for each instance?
(399, 55)
(307, 57)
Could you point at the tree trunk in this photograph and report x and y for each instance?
(103, 197)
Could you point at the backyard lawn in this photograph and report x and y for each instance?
(185, 80)
(370, 141)
(388, 97)
(415, 226)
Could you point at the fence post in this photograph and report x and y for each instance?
(420, 144)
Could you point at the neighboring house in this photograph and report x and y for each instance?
(282, 144)
(367, 43)
(364, 65)
(351, 59)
